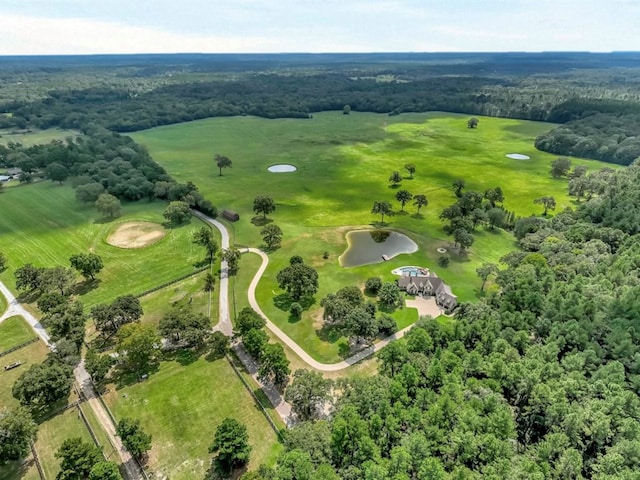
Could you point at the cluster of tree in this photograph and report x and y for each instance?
(347, 311)
(80, 459)
(40, 280)
(133, 436)
(274, 365)
(539, 379)
(298, 279)
(603, 130)
(473, 209)
(182, 197)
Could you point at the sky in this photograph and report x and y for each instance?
(48, 27)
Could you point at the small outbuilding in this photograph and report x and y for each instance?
(230, 215)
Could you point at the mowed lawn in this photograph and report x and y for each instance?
(43, 224)
(344, 163)
(36, 137)
(181, 406)
(14, 331)
(30, 355)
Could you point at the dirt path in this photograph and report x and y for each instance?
(82, 377)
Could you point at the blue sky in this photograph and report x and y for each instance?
(144, 26)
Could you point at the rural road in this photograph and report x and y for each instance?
(82, 377)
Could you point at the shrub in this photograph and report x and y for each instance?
(443, 261)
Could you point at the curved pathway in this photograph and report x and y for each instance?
(325, 367)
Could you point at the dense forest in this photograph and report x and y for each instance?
(538, 380)
(596, 97)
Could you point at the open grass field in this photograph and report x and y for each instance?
(53, 432)
(43, 224)
(29, 355)
(181, 406)
(25, 470)
(36, 137)
(344, 162)
(186, 292)
(14, 331)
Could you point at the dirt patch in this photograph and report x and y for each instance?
(136, 234)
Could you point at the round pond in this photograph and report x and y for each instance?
(517, 156)
(282, 168)
(374, 246)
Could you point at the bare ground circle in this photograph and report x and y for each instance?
(136, 234)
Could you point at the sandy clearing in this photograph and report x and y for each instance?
(136, 234)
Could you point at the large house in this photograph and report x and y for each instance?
(429, 284)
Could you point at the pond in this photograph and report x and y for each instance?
(369, 246)
(282, 168)
(517, 156)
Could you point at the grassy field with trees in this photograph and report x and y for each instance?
(344, 163)
(181, 405)
(43, 224)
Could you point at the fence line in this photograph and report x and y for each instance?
(18, 347)
(113, 419)
(171, 282)
(255, 397)
(37, 460)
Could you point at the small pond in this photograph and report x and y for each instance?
(368, 246)
(282, 168)
(517, 156)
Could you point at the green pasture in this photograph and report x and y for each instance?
(344, 162)
(43, 224)
(25, 470)
(35, 137)
(181, 406)
(29, 355)
(53, 432)
(14, 331)
(184, 293)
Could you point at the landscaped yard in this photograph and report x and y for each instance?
(181, 406)
(43, 224)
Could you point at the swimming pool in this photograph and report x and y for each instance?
(410, 270)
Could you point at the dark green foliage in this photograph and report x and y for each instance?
(43, 385)
(133, 436)
(185, 327)
(395, 178)
(248, 319)
(17, 430)
(219, 344)
(386, 325)
(4, 262)
(295, 310)
(77, 459)
(177, 212)
(271, 235)
(560, 167)
(88, 264)
(389, 295)
(373, 284)
(98, 365)
(307, 393)
(264, 204)
(137, 346)
(295, 259)
(299, 280)
(255, 342)
(231, 255)
(403, 196)
(204, 238)
(108, 205)
(109, 318)
(105, 471)
(443, 261)
(274, 365)
(230, 446)
(222, 162)
(383, 209)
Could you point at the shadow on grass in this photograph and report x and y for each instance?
(184, 356)
(395, 186)
(86, 286)
(202, 263)
(29, 297)
(329, 334)
(124, 378)
(283, 302)
(418, 216)
(103, 220)
(268, 249)
(215, 472)
(402, 213)
(260, 221)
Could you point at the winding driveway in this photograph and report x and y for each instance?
(225, 326)
(325, 367)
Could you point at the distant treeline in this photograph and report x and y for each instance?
(600, 113)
